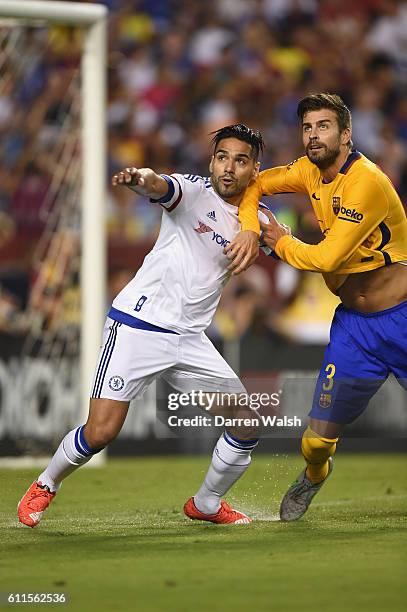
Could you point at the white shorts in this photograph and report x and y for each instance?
(131, 359)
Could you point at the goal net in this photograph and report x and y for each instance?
(52, 243)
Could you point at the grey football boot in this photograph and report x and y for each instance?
(299, 496)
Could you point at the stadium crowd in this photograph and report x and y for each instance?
(177, 70)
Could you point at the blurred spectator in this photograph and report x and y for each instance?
(244, 299)
(308, 314)
(389, 32)
(367, 120)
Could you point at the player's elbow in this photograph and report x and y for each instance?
(324, 261)
(331, 264)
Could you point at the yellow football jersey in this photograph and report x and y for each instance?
(359, 212)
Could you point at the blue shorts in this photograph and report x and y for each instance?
(363, 350)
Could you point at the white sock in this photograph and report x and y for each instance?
(69, 456)
(230, 460)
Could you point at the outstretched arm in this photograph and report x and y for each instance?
(143, 181)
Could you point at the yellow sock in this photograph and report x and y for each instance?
(317, 473)
(316, 451)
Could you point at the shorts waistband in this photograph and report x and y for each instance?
(343, 308)
(130, 321)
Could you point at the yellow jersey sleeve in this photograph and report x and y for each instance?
(248, 216)
(369, 206)
(282, 179)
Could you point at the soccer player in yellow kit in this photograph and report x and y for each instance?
(362, 257)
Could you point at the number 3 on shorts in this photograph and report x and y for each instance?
(330, 370)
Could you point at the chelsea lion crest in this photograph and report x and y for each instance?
(116, 383)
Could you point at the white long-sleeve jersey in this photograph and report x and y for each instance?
(179, 285)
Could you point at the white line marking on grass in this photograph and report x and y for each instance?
(272, 518)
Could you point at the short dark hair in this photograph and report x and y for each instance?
(333, 102)
(241, 132)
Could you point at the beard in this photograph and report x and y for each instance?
(324, 158)
(226, 191)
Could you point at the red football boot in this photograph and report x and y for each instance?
(224, 516)
(32, 505)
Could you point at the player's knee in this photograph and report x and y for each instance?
(316, 449)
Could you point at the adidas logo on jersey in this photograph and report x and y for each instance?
(203, 228)
(212, 215)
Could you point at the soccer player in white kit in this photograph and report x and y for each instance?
(155, 327)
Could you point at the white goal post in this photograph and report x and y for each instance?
(93, 19)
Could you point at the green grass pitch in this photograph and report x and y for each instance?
(115, 539)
